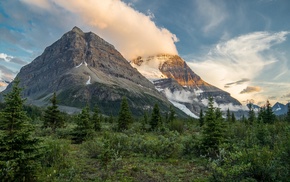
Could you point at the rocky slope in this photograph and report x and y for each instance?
(172, 76)
(82, 68)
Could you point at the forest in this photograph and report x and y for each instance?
(45, 144)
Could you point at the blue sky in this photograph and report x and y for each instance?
(241, 46)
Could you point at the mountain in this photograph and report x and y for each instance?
(173, 77)
(279, 108)
(82, 68)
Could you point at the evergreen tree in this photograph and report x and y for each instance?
(96, 120)
(52, 117)
(171, 116)
(145, 118)
(269, 116)
(252, 116)
(243, 119)
(261, 115)
(155, 121)
(125, 117)
(201, 118)
(84, 126)
(233, 118)
(228, 119)
(18, 149)
(213, 132)
(288, 113)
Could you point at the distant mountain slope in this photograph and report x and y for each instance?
(172, 76)
(279, 108)
(82, 68)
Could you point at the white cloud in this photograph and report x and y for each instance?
(246, 56)
(213, 13)
(180, 96)
(131, 32)
(5, 57)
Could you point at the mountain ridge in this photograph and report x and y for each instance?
(82, 69)
(173, 76)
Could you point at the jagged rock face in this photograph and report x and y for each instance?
(177, 77)
(83, 68)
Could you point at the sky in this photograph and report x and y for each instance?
(240, 46)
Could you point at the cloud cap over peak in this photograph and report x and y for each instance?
(131, 32)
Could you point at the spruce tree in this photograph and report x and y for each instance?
(288, 113)
(52, 117)
(269, 116)
(228, 119)
(125, 117)
(252, 116)
(213, 132)
(201, 118)
(233, 118)
(18, 149)
(171, 116)
(155, 121)
(84, 126)
(261, 115)
(96, 120)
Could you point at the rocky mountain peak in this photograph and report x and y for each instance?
(82, 68)
(77, 30)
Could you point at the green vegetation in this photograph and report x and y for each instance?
(52, 117)
(90, 146)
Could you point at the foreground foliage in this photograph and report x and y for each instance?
(158, 147)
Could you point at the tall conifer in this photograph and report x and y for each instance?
(52, 117)
(155, 121)
(125, 117)
(18, 149)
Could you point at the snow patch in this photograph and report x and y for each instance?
(150, 68)
(89, 81)
(79, 65)
(183, 108)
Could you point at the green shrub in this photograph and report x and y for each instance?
(176, 125)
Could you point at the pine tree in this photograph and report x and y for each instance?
(252, 116)
(18, 149)
(213, 132)
(269, 116)
(171, 114)
(288, 113)
(233, 118)
(125, 117)
(201, 118)
(261, 115)
(155, 121)
(228, 119)
(96, 119)
(84, 126)
(52, 117)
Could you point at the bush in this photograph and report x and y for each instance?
(176, 125)
(255, 164)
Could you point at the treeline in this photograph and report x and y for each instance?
(48, 145)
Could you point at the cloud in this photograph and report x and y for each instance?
(239, 82)
(212, 14)
(286, 96)
(5, 57)
(131, 32)
(6, 74)
(225, 107)
(180, 96)
(251, 89)
(18, 61)
(247, 56)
